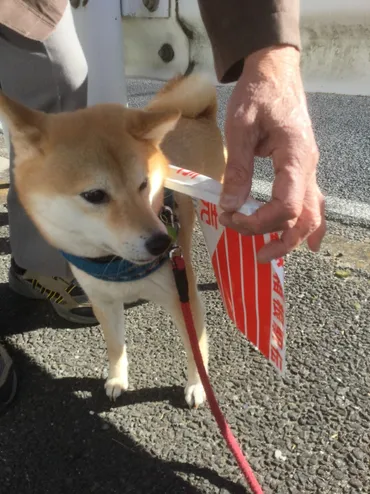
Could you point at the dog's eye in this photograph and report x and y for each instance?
(95, 196)
(143, 185)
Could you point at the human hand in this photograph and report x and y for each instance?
(267, 116)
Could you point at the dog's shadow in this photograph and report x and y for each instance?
(52, 438)
(174, 395)
(54, 441)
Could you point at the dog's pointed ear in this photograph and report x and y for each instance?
(26, 126)
(153, 125)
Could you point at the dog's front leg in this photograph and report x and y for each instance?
(194, 392)
(111, 317)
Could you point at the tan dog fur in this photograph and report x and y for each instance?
(113, 148)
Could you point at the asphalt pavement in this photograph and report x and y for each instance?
(306, 433)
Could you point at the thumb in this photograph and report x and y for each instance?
(237, 181)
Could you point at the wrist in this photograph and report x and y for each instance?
(272, 60)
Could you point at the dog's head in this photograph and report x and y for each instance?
(92, 180)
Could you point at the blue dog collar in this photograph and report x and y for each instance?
(114, 268)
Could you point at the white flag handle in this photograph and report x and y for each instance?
(201, 187)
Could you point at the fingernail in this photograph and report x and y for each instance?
(228, 202)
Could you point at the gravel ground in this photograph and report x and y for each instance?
(308, 432)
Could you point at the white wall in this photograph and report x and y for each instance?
(335, 44)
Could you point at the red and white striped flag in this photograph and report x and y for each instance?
(252, 293)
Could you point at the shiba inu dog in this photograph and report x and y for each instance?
(92, 182)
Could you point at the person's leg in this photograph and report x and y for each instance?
(49, 76)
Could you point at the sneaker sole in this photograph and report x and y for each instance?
(21, 288)
(75, 318)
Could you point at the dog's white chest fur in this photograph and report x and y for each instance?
(158, 287)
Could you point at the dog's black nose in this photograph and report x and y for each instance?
(158, 243)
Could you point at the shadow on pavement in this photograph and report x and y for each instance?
(27, 315)
(52, 441)
(4, 220)
(4, 246)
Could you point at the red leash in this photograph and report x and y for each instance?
(178, 267)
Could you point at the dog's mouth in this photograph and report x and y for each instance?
(103, 259)
(144, 261)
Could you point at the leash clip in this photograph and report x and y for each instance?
(169, 219)
(176, 251)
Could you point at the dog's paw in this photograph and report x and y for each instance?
(195, 395)
(114, 387)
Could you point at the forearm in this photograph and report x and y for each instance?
(238, 28)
